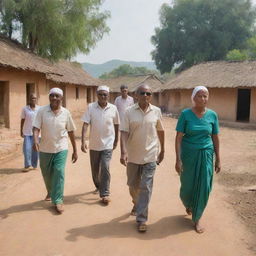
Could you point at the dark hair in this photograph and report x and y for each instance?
(123, 86)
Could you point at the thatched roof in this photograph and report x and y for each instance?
(217, 74)
(133, 82)
(14, 55)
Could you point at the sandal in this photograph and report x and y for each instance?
(105, 200)
(142, 227)
(133, 211)
(188, 211)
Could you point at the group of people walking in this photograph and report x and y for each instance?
(142, 143)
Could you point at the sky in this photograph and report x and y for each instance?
(132, 23)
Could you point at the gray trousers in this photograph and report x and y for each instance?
(100, 170)
(140, 182)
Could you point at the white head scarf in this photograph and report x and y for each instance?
(56, 90)
(196, 90)
(103, 88)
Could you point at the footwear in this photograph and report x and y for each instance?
(133, 211)
(96, 191)
(188, 211)
(33, 168)
(27, 169)
(105, 200)
(141, 227)
(59, 208)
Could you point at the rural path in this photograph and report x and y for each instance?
(29, 226)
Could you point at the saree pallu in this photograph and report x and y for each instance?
(196, 179)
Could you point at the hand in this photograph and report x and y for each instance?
(84, 147)
(114, 145)
(36, 147)
(123, 159)
(178, 167)
(21, 135)
(217, 166)
(160, 157)
(74, 157)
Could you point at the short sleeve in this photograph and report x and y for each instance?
(87, 117)
(116, 118)
(70, 123)
(159, 124)
(180, 127)
(125, 123)
(37, 122)
(215, 128)
(23, 114)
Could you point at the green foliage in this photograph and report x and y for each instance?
(251, 48)
(56, 28)
(236, 55)
(193, 31)
(126, 69)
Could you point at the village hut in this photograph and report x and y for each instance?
(232, 88)
(133, 81)
(22, 73)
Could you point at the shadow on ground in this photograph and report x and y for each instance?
(121, 228)
(8, 171)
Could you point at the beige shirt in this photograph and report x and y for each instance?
(101, 121)
(142, 144)
(54, 129)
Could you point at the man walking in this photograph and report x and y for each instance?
(103, 119)
(27, 116)
(56, 125)
(123, 101)
(141, 133)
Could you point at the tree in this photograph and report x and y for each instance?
(237, 55)
(127, 69)
(54, 28)
(193, 31)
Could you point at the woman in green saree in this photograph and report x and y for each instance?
(196, 142)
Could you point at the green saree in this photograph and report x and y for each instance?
(197, 159)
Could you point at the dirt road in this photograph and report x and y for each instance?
(29, 226)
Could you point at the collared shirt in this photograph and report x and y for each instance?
(122, 105)
(54, 129)
(101, 121)
(142, 144)
(28, 114)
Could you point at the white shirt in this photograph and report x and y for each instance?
(142, 144)
(122, 105)
(54, 129)
(101, 121)
(28, 114)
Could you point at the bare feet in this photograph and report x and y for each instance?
(188, 211)
(198, 228)
(59, 208)
(48, 197)
(105, 200)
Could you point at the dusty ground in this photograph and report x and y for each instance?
(29, 226)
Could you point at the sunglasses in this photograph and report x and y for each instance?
(103, 94)
(145, 93)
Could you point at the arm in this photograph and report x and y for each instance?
(161, 137)
(124, 138)
(178, 164)
(83, 142)
(216, 144)
(73, 142)
(116, 135)
(36, 132)
(22, 121)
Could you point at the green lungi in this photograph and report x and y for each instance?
(53, 170)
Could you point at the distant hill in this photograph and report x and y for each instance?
(98, 69)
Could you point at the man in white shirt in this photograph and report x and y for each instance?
(123, 101)
(142, 148)
(27, 116)
(56, 125)
(103, 119)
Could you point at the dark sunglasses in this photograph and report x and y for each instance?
(145, 93)
(103, 94)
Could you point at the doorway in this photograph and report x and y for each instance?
(30, 88)
(243, 105)
(4, 104)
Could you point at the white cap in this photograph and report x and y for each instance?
(103, 88)
(196, 90)
(56, 90)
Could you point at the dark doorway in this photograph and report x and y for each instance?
(30, 88)
(243, 105)
(4, 104)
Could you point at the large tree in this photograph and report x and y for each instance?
(54, 28)
(193, 31)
